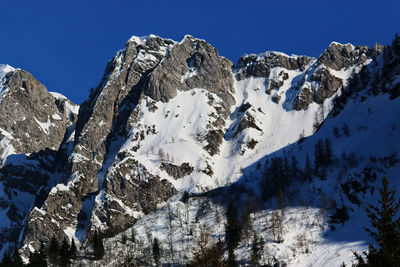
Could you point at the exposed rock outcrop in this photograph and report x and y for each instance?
(259, 66)
(192, 63)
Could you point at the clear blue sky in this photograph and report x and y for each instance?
(66, 44)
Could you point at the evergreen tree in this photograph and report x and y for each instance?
(38, 258)
(156, 252)
(256, 250)
(54, 251)
(345, 129)
(185, 197)
(73, 250)
(7, 261)
(17, 260)
(233, 231)
(385, 231)
(308, 168)
(64, 253)
(318, 156)
(293, 168)
(231, 262)
(328, 157)
(396, 44)
(98, 247)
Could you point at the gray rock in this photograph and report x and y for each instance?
(192, 63)
(260, 66)
(338, 56)
(177, 171)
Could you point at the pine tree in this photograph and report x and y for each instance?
(231, 261)
(185, 197)
(38, 258)
(73, 250)
(308, 169)
(7, 261)
(233, 231)
(255, 256)
(98, 247)
(385, 231)
(17, 260)
(54, 251)
(64, 253)
(328, 157)
(345, 129)
(318, 156)
(156, 252)
(293, 168)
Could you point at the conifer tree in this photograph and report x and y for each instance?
(98, 247)
(73, 250)
(54, 251)
(385, 231)
(308, 168)
(17, 260)
(255, 256)
(328, 154)
(64, 253)
(7, 261)
(38, 258)
(156, 252)
(233, 231)
(294, 170)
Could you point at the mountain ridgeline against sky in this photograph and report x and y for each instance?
(316, 134)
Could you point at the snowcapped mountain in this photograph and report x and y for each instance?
(169, 117)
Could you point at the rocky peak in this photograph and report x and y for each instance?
(192, 63)
(260, 65)
(342, 56)
(31, 117)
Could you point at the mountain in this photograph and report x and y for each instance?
(172, 117)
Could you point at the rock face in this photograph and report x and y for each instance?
(33, 125)
(192, 63)
(34, 118)
(258, 66)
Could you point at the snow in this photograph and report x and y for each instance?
(44, 125)
(71, 108)
(340, 44)
(269, 53)
(190, 73)
(4, 69)
(6, 146)
(58, 95)
(141, 39)
(56, 117)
